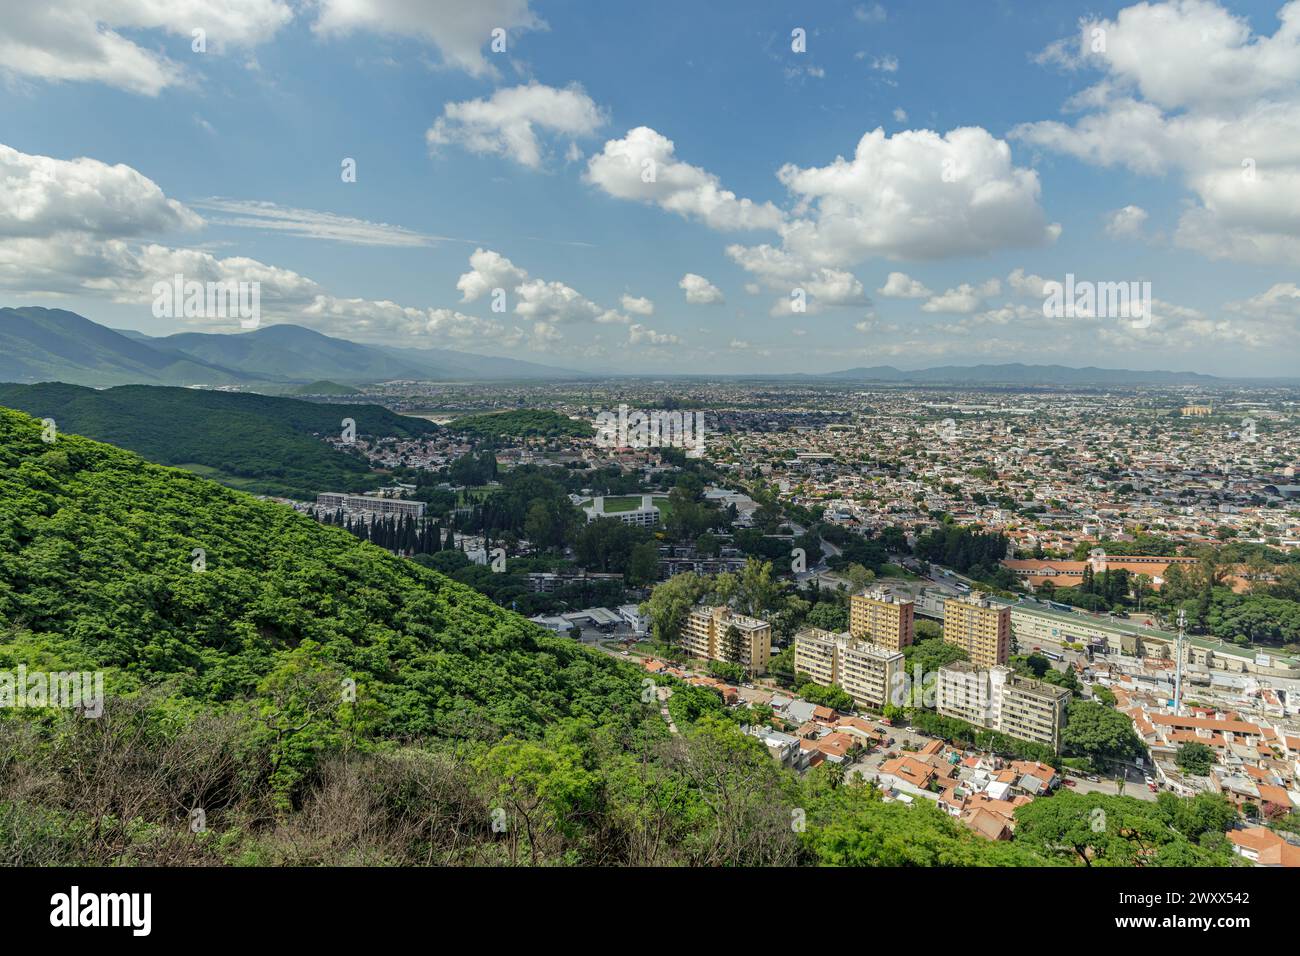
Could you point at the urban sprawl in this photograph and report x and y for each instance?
(970, 597)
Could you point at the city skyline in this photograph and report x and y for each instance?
(912, 177)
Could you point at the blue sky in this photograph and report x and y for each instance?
(1011, 153)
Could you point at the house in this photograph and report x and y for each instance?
(932, 748)
(910, 770)
(952, 801)
(834, 746)
(1280, 854)
(799, 711)
(784, 748)
(1043, 775)
(1263, 847)
(987, 823)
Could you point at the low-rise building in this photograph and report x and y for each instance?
(645, 516)
(369, 504)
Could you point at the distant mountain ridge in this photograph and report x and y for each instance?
(38, 345)
(1020, 374)
(41, 345)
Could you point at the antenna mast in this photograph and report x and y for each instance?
(1178, 664)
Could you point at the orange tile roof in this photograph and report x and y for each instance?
(1191, 737)
(1274, 794)
(835, 745)
(1255, 838)
(1280, 854)
(986, 823)
(1206, 723)
(1038, 769)
(915, 772)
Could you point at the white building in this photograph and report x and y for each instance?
(646, 516)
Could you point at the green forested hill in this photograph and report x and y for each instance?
(96, 570)
(524, 423)
(305, 698)
(253, 442)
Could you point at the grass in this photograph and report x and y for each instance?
(614, 504)
(896, 571)
(238, 482)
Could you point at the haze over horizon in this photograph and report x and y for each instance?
(917, 174)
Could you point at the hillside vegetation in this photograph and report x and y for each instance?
(253, 442)
(524, 423)
(291, 695)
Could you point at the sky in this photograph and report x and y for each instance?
(677, 187)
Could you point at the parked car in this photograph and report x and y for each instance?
(1068, 782)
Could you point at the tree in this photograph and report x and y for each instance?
(733, 644)
(1066, 678)
(540, 526)
(643, 565)
(1093, 829)
(835, 698)
(735, 794)
(670, 603)
(1099, 733)
(859, 577)
(828, 616)
(1195, 758)
(546, 789)
(929, 656)
(708, 545)
(758, 592)
(851, 825)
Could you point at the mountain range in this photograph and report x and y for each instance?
(39, 344)
(1019, 374)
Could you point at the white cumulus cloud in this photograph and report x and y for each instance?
(699, 290)
(508, 122)
(643, 166)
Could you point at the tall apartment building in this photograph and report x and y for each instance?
(705, 634)
(866, 671)
(981, 629)
(965, 691)
(882, 618)
(1033, 710)
(1001, 700)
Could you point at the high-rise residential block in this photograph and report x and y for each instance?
(979, 627)
(882, 618)
(720, 634)
(867, 672)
